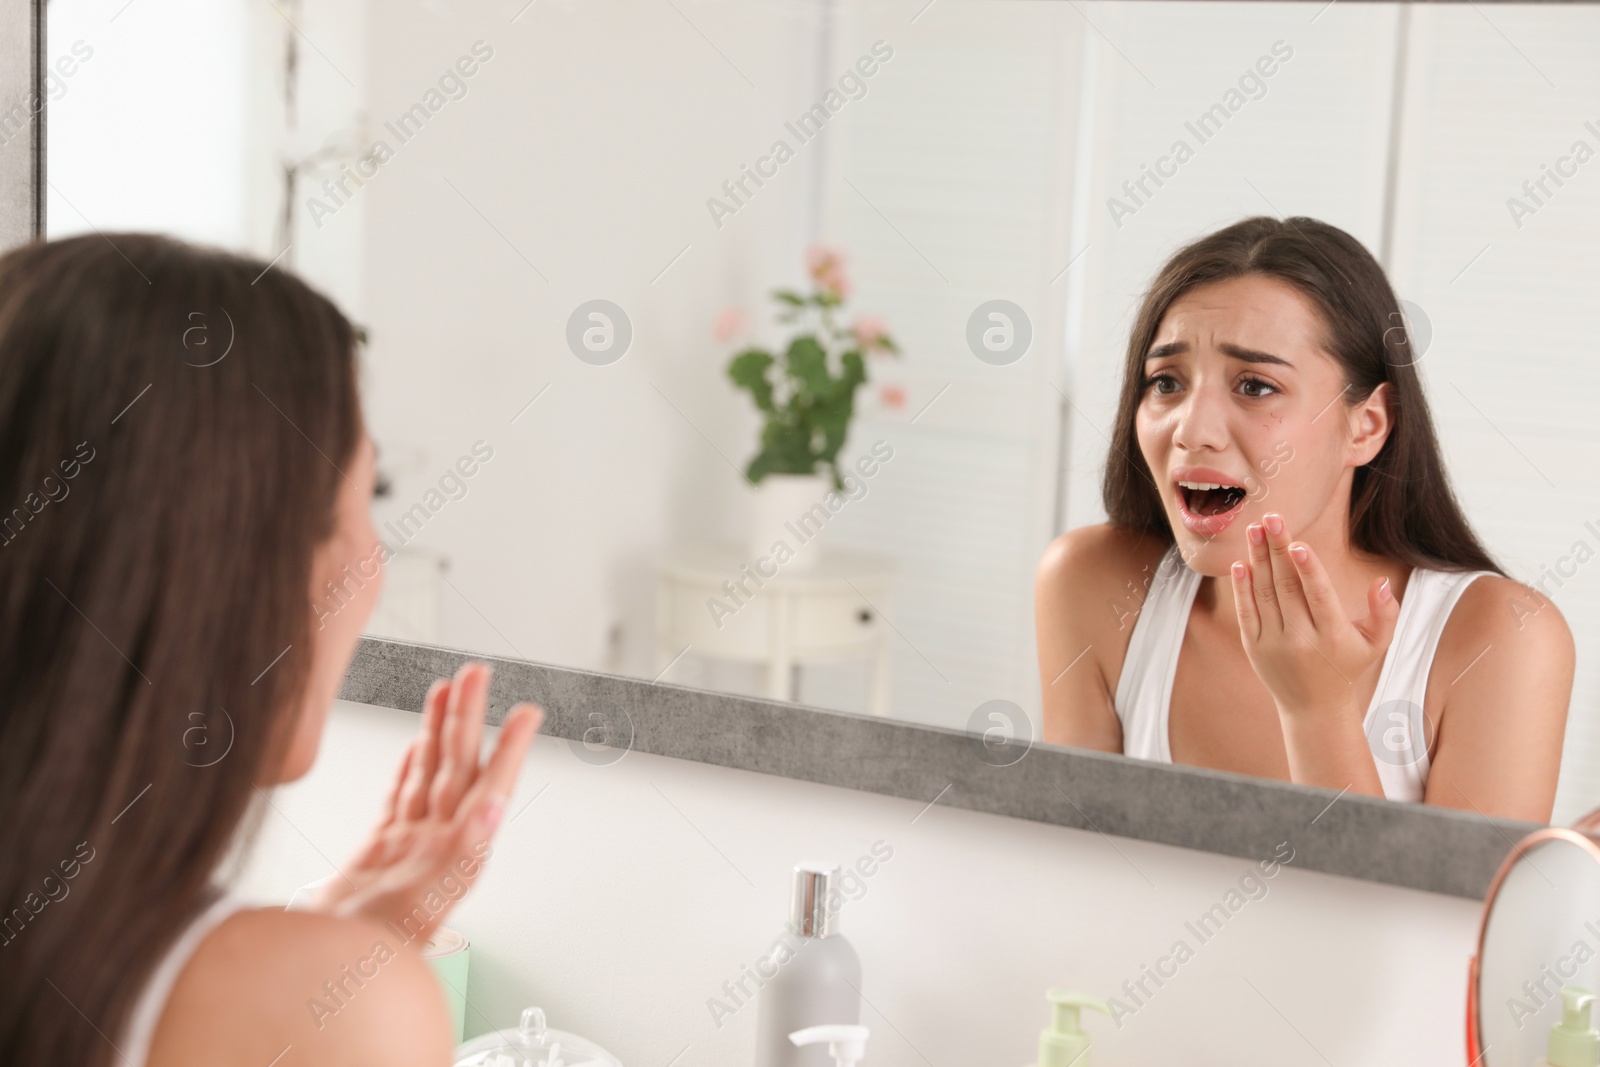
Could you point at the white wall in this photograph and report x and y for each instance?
(148, 132)
(623, 897)
(577, 166)
(951, 186)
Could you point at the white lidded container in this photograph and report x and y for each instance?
(532, 1044)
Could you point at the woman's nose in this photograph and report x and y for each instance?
(1202, 423)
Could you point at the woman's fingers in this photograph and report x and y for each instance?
(404, 857)
(449, 742)
(1244, 603)
(1261, 584)
(459, 845)
(462, 732)
(419, 782)
(1383, 611)
(472, 726)
(499, 776)
(391, 806)
(1286, 580)
(1327, 614)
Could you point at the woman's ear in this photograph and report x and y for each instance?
(1370, 424)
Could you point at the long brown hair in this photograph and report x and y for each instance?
(1401, 504)
(170, 421)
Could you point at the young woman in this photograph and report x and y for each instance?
(1286, 586)
(181, 438)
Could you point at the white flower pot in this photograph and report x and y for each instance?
(780, 509)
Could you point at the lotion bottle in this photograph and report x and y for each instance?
(1063, 1043)
(819, 985)
(1573, 1041)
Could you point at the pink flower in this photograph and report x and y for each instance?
(826, 267)
(892, 396)
(730, 323)
(870, 332)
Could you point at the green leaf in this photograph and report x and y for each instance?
(855, 370)
(808, 408)
(785, 449)
(748, 370)
(808, 364)
(834, 432)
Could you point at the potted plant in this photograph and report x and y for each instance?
(806, 396)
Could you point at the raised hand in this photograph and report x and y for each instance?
(442, 811)
(1304, 648)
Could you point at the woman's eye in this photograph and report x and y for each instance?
(1164, 384)
(1255, 387)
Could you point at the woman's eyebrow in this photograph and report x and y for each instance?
(1250, 355)
(1239, 352)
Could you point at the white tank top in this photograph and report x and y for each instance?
(141, 1025)
(1396, 727)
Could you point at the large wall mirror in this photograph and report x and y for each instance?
(588, 243)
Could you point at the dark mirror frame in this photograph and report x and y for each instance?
(604, 717)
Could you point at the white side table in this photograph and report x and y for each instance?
(712, 599)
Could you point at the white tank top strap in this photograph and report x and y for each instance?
(140, 1028)
(1397, 730)
(1144, 688)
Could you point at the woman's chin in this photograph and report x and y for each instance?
(1211, 557)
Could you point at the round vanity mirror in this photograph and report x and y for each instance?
(1532, 991)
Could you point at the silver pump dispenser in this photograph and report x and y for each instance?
(809, 914)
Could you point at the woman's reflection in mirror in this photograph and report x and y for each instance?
(1286, 585)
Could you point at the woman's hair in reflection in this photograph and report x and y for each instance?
(1401, 504)
(170, 421)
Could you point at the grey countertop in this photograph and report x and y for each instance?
(602, 716)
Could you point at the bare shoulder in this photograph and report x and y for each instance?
(1514, 646)
(1099, 556)
(1090, 583)
(1502, 682)
(1497, 613)
(1097, 575)
(330, 990)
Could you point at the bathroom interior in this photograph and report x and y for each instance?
(561, 225)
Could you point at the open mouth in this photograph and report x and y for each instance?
(1208, 499)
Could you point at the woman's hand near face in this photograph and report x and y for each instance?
(441, 813)
(1310, 655)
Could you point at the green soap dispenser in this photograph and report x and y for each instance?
(1063, 1043)
(1574, 1042)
